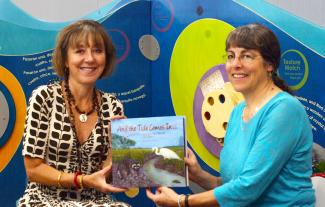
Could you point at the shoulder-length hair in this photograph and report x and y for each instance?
(80, 32)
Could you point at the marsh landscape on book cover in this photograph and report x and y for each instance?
(149, 152)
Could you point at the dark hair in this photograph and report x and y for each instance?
(258, 37)
(80, 31)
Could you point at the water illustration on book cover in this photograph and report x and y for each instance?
(149, 152)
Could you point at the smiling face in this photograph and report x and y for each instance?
(83, 34)
(86, 61)
(247, 70)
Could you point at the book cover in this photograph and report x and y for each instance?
(149, 152)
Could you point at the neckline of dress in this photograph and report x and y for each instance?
(98, 119)
(259, 110)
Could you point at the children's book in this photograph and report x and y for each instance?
(149, 152)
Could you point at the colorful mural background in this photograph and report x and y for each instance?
(166, 50)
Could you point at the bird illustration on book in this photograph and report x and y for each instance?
(166, 153)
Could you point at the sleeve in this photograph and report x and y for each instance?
(117, 107)
(276, 139)
(37, 124)
(111, 107)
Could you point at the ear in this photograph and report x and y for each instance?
(269, 68)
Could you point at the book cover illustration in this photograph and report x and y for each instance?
(149, 152)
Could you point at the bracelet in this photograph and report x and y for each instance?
(180, 200)
(186, 200)
(81, 181)
(75, 180)
(59, 180)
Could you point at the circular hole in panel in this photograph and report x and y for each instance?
(199, 10)
(222, 98)
(207, 115)
(211, 101)
(149, 47)
(224, 125)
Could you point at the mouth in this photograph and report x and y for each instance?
(239, 75)
(88, 70)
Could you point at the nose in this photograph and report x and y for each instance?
(236, 62)
(89, 56)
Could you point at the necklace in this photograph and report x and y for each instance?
(102, 147)
(83, 115)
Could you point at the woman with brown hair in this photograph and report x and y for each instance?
(67, 140)
(267, 155)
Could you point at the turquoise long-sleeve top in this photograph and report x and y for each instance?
(267, 161)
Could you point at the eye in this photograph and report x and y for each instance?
(98, 50)
(247, 57)
(79, 51)
(230, 57)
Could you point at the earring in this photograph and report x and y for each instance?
(274, 73)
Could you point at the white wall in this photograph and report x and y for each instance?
(59, 10)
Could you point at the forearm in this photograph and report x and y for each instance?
(205, 199)
(47, 175)
(206, 180)
(38, 171)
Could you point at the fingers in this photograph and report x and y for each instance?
(155, 197)
(189, 152)
(150, 195)
(109, 188)
(189, 161)
(118, 117)
(160, 189)
(114, 189)
(107, 170)
(163, 196)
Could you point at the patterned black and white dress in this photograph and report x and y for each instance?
(48, 135)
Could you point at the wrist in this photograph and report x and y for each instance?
(85, 181)
(76, 181)
(59, 179)
(186, 203)
(179, 201)
(80, 181)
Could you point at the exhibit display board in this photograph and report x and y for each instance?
(169, 58)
